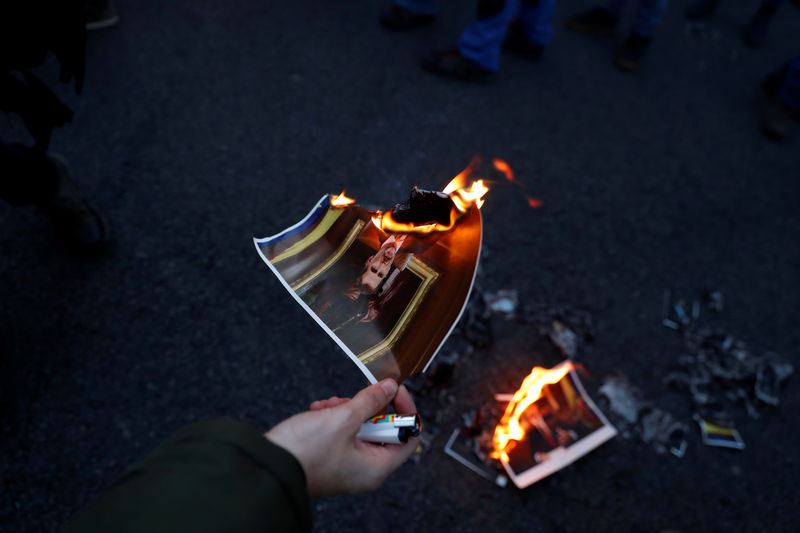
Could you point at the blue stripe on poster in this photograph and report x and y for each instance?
(309, 221)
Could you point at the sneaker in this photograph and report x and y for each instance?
(700, 9)
(451, 64)
(76, 219)
(396, 18)
(597, 21)
(630, 55)
(755, 33)
(100, 14)
(518, 43)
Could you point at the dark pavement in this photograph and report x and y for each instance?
(205, 124)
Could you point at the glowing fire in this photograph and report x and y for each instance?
(504, 167)
(340, 200)
(460, 181)
(534, 202)
(509, 427)
(463, 198)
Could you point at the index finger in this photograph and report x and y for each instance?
(403, 402)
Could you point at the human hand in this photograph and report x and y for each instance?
(324, 441)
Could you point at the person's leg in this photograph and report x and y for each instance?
(648, 15)
(531, 29)
(631, 54)
(404, 15)
(27, 175)
(780, 102)
(482, 39)
(755, 33)
(536, 20)
(31, 177)
(790, 88)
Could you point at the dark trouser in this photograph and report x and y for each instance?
(26, 175)
(790, 87)
(483, 38)
(648, 15)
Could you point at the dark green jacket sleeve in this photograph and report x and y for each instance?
(219, 475)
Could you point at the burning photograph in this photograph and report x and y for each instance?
(388, 298)
(549, 423)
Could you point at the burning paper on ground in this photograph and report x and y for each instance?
(549, 423)
(388, 287)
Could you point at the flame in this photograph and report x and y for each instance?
(534, 202)
(460, 181)
(386, 222)
(340, 200)
(463, 198)
(531, 390)
(503, 167)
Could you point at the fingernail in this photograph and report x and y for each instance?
(389, 387)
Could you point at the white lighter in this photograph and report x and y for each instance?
(390, 429)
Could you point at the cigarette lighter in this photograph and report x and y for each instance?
(390, 429)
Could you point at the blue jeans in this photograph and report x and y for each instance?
(648, 14)
(790, 88)
(483, 38)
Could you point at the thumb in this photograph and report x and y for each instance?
(369, 401)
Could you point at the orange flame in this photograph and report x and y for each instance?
(340, 200)
(463, 198)
(460, 181)
(531, 390)
(503, 167)
(534, 202)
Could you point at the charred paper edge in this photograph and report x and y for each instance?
(448, 449)
(308, 310)
(562, 457)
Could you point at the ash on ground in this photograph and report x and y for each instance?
(719, 372)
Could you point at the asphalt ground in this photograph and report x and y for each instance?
(204, 124)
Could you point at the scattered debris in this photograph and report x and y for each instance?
(564, 338)
(770, 373)
(719, 434)
(720, 371)
(502, 301)
(664, 432)
(623, 400)
(715, 301)
(637, 416)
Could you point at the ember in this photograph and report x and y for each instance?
(509, 427)
(341, 200)
(503, 167)
(534, 202)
